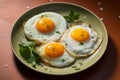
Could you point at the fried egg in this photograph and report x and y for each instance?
(54, 54)
(80, 40)
(45, 27)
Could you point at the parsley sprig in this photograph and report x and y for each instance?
(28, 52)
(72, 16)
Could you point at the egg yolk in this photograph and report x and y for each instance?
(54, 50)
(45, 25)
(80, 35)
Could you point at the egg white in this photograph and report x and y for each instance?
(33, 34)
(81, 49)
(62, 61)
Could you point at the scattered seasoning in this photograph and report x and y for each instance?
(45, 68)
(81, 43)
(58, 32)
(91, 31)
(92, 37)
(41, 65)
(63, 60)
(81, 35)
(50, 71)
(76, 68)
(48, 26)
(74, 50)
(90, 26)
(44, 39)
(42, 16)
(66, 44)
(81, 63)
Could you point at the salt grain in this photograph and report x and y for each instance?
(101, 9)
(101, 19)
(28, 7)
(51, 0)
(119, 16)
(99, 3)
(6, 65)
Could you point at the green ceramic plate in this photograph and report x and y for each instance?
(61, 8)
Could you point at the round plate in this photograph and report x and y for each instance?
(17, 35)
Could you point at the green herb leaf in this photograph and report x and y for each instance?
(76, 68)
(58, 32)
(63, 60)
(81, 63)
(28, 52)
(66, 44)
(81, 43)
(72, 16)
(46, 68)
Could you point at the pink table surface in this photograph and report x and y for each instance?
(107, 68)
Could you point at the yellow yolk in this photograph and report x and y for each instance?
(80, 35)
(45, 25)
(54, 50)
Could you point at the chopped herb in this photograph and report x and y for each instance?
(58, 32)
(76, 68)
(81, 63)
(81, 43)
(49, 59)
(63, 60)
(41, 65)
(92, 37)
(28, 52)
(72, 16)
(81, 35)
(74, 50)
(66, 44)
(46, 68)
(91, 31)
(42, 16)
(48, 26)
